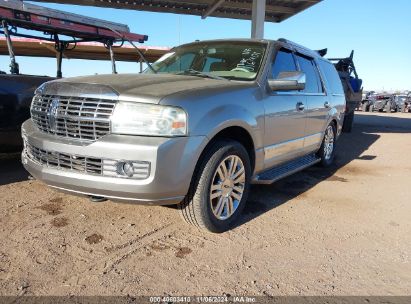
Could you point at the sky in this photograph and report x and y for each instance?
(378, 30)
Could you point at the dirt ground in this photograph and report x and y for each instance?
(340, 231)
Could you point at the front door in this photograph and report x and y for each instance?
(285, 117)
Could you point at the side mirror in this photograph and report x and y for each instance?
(288, 81)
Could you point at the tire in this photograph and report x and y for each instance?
(199, 208)
(365, 107)
(327, 152)
(348, 122)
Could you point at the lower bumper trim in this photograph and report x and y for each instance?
(162, 201)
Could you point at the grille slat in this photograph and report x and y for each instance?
(83, 164)
(76, 117)
(65, 161)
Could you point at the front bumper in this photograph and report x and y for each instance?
(172, 162)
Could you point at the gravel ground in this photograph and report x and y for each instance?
(341, 231)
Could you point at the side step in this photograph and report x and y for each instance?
(276, 173)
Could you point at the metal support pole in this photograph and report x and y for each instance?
(113, 60)
(59, 63)
(14, 66)
(60, 47)
(258, 18)
(141, 65)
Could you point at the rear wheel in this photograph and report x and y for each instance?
(327, 149)
(220, 188)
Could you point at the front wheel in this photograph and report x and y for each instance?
(327, 149)
(219, 190)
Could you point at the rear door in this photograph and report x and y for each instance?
(284, 116)
(317, 103)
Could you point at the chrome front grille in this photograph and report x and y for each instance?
(65, 161)
(85, 164)
(73, 117)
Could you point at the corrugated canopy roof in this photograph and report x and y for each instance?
(276, 10)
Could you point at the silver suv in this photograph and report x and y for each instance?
(195, 129)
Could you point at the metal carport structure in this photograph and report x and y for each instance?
(83, 50)
(257, 11)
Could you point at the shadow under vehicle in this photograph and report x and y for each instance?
(65, 30)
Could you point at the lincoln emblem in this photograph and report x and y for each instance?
(52, 114)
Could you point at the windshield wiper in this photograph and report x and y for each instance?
(193, 72)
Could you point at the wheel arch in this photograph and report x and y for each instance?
(236, 133)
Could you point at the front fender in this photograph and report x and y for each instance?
(212, 111)
(223, 117)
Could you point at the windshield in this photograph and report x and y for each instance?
(230, 60)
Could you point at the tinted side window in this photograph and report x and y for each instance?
(284, 62)
(331, 76)
(313, 81)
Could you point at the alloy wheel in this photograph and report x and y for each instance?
(329, 142)
(227, 187)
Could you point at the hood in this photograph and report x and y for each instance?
(149, 88)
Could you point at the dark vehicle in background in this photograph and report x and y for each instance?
(380, 103)
(383, 103)
(17, 90)
(16, 93)
(364, 105)
(402, 101)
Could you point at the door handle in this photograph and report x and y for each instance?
(327, 104)
(300, 106)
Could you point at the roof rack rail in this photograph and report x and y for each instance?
(35, 17)
(299, 46)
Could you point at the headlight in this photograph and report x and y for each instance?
(147, 119)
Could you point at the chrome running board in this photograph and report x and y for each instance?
(276, 173)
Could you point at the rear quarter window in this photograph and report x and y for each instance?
(331, 77)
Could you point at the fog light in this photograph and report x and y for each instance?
(126, 168)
